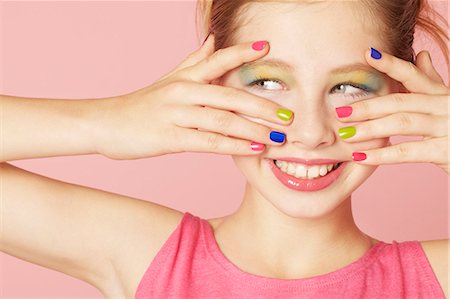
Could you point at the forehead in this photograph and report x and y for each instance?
(314, 35)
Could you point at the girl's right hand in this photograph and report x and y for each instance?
(183, 112)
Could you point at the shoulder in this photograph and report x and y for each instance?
(437, 252)
(142, 233)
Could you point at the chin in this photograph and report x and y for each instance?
(264, 186)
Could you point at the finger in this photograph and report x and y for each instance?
(430, 151)
(224, 122)
(405, 72)
(233, 99)
(204, 51)
(207, 49)
(424, 63)
(224, 60)
(208, 142)
(393, 103)
(404, 124)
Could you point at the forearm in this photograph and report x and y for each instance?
(37, 128)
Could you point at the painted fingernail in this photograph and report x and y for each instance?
(344, 111)
(259, 45)
(375, 54)
(257, 146)
(356, 156)
(277, 136)
(284, 114)
(347, 132)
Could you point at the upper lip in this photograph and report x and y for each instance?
(308, 161)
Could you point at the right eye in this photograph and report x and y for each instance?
(266, 83)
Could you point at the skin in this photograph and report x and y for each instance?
(297, 229)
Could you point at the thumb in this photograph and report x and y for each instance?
(424, 62)
(204, 51)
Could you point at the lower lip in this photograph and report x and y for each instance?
(306, 185)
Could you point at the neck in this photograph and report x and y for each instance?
(293, 247)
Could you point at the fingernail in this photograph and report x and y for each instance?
(344, 111)
(257, 146)
(356, 156)
(277, 136)
(347, 132)
(375, 54)
(259, 45)
(284, 114)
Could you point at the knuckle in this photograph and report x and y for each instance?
(398, 99)
(404, 121)
(213, 142)
(401, 150)
(236, 146)
(412, 68)
(231, 93)
(223, 120)
(362, 107)
(171, 134)
(176, 88)
(264, 108)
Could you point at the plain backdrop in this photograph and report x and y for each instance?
(77, 50)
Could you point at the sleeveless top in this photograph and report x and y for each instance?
(191, 265)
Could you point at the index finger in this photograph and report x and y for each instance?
(224, 60)
(405, 72)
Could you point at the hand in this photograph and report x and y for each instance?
(182, 111)
(422, 110)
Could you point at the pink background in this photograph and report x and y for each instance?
(100, 49)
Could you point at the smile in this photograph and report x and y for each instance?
(301, 177)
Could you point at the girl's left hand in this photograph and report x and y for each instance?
(421, 110)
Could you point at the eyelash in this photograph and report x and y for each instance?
(366, 90)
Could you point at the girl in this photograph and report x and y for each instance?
(293, 92)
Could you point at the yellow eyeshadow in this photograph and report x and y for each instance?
(370, 79)
(248, 74)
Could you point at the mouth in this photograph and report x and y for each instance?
(307, 177)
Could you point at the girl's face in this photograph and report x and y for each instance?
(316, 63)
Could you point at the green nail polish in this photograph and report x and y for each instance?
(347, 132)
(284, 114)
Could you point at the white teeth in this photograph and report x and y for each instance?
(313, 172)
(301, 172)
(304, 171)
(291, 169)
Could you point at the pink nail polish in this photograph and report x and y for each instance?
(359, 156)
(259, 45)
(344, 111)
(257, 146)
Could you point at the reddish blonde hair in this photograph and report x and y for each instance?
(397, 23)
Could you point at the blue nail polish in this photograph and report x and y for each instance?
(277, 136)
(375, 54)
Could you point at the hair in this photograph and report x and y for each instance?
(397, 21)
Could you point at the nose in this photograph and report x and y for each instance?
(312, 127)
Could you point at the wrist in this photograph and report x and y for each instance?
(97, 120)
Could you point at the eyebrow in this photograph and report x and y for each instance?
(277, 63)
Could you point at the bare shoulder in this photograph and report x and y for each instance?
(437, 252)
(143, 229)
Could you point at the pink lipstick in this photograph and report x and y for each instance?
(308, 185)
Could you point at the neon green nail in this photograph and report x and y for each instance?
(347, 132)
(284, 114)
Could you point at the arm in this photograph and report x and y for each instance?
(35, 128)
(102, 238)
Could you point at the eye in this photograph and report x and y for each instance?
(345, 87)
(267, 84)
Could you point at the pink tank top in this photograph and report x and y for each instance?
(191, 265)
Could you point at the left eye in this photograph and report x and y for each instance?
(361, 90)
